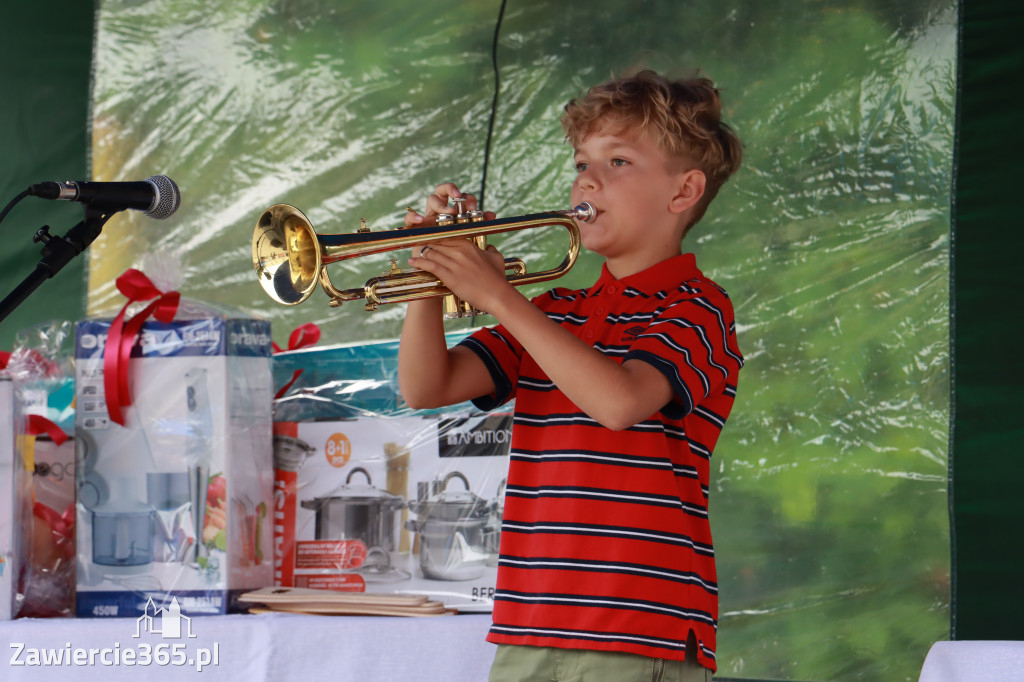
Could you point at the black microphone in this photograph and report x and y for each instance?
(156, 196)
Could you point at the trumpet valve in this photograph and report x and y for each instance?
(455, 308)
(362, 225)
(464, 216)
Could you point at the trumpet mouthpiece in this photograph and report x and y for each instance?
(584, 212)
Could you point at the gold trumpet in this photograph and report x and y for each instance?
(289, 256)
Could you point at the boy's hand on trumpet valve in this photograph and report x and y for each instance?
(474, 275)
(471, 273)
(438, 203)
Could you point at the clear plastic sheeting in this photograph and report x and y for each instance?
(830, 499)
(41, 369)
(173, 463)
(375, 497)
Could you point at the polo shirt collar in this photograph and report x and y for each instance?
(661, 276)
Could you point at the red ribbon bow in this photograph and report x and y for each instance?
(5, 357)
(301, 337)
(118, 349)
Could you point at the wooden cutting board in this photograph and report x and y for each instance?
(331, 602)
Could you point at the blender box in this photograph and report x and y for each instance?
(172, 505)
(407, 504)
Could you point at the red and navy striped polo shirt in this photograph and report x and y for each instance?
(605, 540)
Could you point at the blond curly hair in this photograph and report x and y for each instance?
(684, 116)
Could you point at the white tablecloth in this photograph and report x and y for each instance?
(965, 661)
(250, 648)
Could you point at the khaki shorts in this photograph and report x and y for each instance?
(546, 664)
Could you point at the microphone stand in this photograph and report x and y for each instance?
(57, 252)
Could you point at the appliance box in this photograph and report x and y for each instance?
(407, 504)
(174, 504)
(10, 498)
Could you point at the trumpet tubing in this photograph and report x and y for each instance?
(290, 258)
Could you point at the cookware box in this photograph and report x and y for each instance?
(391, 504)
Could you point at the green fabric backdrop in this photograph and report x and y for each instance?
(988, 430)
(45, 62)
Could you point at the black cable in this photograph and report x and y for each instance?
(494, 104)
(15, 200)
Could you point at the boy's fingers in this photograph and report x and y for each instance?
(447, 190)
(412, 217)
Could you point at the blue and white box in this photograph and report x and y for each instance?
(173, 504)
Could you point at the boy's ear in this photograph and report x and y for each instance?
(691, 189)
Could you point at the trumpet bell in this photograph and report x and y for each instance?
(286, 254)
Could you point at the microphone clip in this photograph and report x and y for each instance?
(42, 235)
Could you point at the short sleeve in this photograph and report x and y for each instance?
(502, 355)
(692, 342)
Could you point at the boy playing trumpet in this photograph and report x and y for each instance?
(621, 390)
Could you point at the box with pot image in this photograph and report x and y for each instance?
(392, 504)
(173, 503)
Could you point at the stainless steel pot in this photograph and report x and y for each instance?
(358, 512)
(492, 539)
(452, 550)
(454, 530)
(290, 452)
